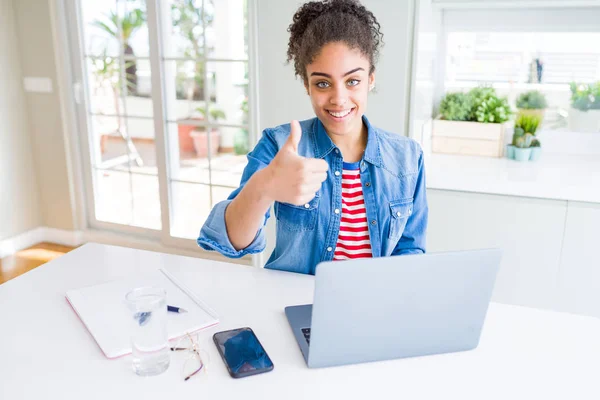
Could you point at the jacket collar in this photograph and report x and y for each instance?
(323, 144)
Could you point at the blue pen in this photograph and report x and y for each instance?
(176, 309)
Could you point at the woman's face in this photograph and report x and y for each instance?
(338, 85)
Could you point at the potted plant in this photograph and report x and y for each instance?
(199, 136)
(522, 142)
(523, 138)
(532, 103)
(472, 123)
(584, 115)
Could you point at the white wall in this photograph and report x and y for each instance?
(34, 40)
(19, 204)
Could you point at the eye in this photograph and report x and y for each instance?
(353, 82)
(322, 84)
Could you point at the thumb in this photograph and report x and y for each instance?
(295, 135)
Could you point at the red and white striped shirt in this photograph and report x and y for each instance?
(353, 240)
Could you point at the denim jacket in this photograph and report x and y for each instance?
(393, 182)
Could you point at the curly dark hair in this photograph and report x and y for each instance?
(318, 23)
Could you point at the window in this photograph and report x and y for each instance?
(167, 110)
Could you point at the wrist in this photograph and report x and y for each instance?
(263, 184)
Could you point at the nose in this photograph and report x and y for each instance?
(339, 97)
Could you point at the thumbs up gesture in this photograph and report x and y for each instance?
(295, 179)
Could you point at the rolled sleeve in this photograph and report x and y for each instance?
(213, 235)
(413, 240)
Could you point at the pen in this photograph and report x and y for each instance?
(176, 309)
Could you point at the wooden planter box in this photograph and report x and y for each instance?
(469, 138)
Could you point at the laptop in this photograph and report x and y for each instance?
(395, 307)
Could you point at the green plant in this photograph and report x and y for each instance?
(492, 109)
(124, 27)
(455, 107)
(585, 96)
(535, 143)
(215, 113)
(532, 100)
(476, 96)
(529, 123)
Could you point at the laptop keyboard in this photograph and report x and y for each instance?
(306, 333)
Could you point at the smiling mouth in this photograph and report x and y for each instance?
(341, 114)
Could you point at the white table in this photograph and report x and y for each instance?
(45, 351)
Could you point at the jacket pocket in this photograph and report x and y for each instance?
(400, 210)
(297, 218)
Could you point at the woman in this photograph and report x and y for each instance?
(341, 187)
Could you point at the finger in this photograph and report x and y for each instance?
(295, 135)
(310, 189)
(316, 165)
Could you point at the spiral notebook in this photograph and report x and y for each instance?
(104, 311)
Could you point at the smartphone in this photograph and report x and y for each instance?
(242, 352)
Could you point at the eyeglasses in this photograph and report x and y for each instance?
(197, 359)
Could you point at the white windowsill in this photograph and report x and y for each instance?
(553, 176)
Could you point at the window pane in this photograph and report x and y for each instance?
(185, 90)
(99, 27)
(226, 169)
(124, 143)
(228, 88)
(516, 64)
(104, 80)
(226, 35)
(103, 20)
(127, 199)
(184, 33)
(191, 206)
(134, 27)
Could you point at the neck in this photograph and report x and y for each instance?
(353, 144)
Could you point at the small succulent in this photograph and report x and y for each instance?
(532, 100)
(535, 143)
(455, 107)
(523, 141)
(519, 132)
(529, 123)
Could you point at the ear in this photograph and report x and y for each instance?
(371, 81)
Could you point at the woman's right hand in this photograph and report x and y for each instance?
(292, 178)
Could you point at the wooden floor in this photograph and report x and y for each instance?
(28, 259)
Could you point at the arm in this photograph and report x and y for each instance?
(235, 226)
(414, 235)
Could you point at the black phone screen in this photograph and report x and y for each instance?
(242, 352)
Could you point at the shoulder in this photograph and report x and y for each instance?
(400, 155)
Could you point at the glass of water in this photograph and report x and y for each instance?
(149, 339)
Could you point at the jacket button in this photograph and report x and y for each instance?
(329, 249)
(368, 184)
(307, 205)
(373, 222)
(337, 211)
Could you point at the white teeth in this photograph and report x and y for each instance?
(340, 114)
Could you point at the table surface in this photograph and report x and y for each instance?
(45, 350)
(553, 176)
